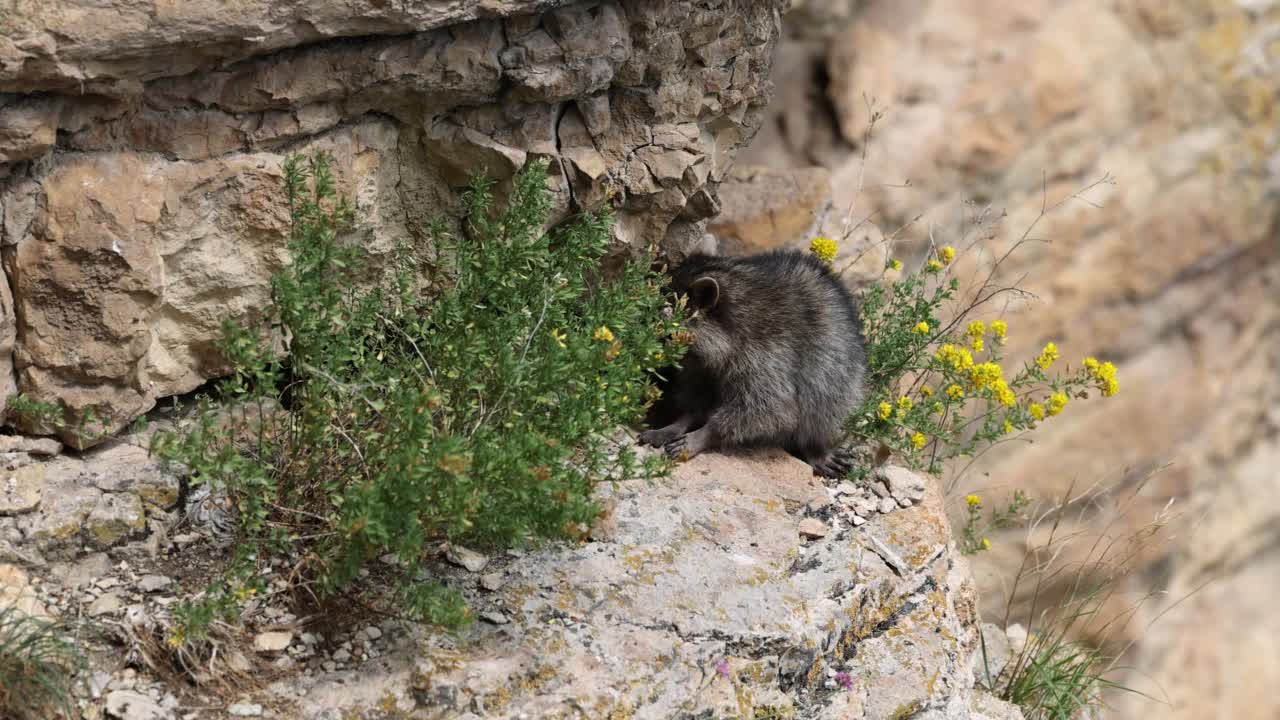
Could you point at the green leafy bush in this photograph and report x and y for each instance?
(479, 413)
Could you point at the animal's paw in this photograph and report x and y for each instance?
(657, 437)
(834, 464)
(679, 448)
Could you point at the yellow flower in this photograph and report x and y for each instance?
(999, 328)
(904, 403)
(977, 328)
(885, 410)
(1008, 427)
(1036, 410)
(973, 501)
(825, 248)
(922, 328)
(918, 440)
(986, 544)
(1004, 394)
(603, 334)
(948, 254)
(1104, 374)
(938, 407)
(895, 264)
(933, 266)
(178, 637)
(955, 392)
(1057, 402)
(926, 391)
(1047, 356)
(559, 337)
(959, 358)
(977, 344)
(985, 375)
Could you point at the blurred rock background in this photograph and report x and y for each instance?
(1169, 268)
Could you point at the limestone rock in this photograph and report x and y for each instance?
(114, 519)
(764, 208)
(154, 583)
(161, 218)
(704, 582)
(30, 445)
(106, 604)
(21, 489)
(467, 558)
(28, 127)
(16, 592)
(273, 641)
(813, 528)
(903, 484)
(985, 706)
(131, 705)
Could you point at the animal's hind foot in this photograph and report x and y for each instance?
(834, 464)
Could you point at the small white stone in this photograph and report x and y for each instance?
(152, 583)
(272, 641)
(887, 505)
(245, 710)
(469, 559)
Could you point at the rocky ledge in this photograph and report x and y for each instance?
(740, 586)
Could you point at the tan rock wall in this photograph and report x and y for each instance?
(1175, 277)
(140, 151)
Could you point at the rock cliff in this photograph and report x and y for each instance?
(140, 151)
(740, 587)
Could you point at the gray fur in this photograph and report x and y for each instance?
(778, 358)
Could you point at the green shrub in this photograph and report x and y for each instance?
(479, 413)
(39, 664)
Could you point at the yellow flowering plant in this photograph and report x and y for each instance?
(974, 533)
(938, 384)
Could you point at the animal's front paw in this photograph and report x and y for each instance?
(656, 438)
(834, 464)
(678, 448)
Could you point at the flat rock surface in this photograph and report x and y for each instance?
(706, 598)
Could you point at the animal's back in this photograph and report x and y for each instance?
(800, 357)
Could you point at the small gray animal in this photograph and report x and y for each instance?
(778, 359)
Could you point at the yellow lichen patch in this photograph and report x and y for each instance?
(907, 710)
(771, 505)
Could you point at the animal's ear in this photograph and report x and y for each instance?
(704, 293)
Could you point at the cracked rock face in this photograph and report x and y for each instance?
(706, 598)
(140, 152)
